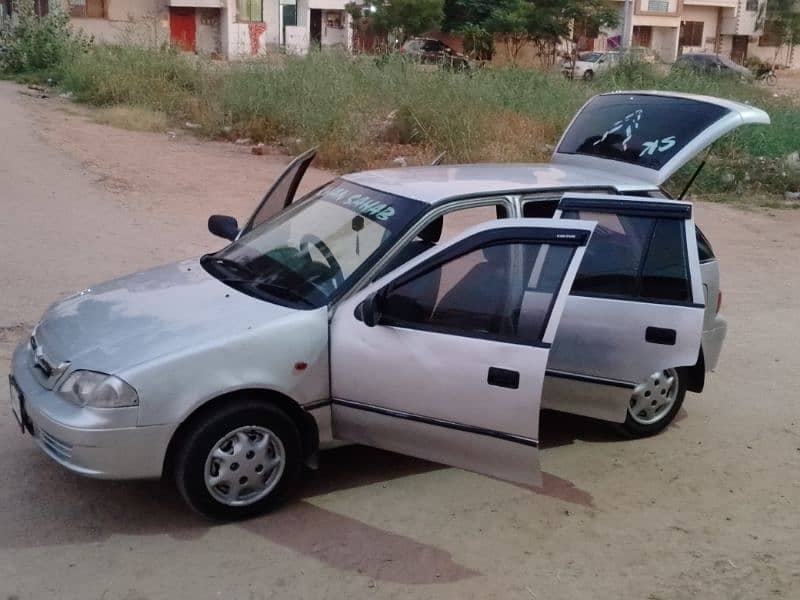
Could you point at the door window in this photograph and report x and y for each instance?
(665, 273)
(637, 258)
(502, 292)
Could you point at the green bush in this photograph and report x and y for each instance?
(38, 43)
(362, 113)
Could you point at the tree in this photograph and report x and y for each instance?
(544, 22)
(781, 18)
(460, 13)
(406, 18)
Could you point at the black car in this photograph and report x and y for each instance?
(712, 64)
(434, 52)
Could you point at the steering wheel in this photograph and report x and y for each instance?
(310, 238)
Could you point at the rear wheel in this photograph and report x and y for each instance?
(655, 402)
(241, 461)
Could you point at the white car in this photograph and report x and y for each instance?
(588, 65)
(359, 314)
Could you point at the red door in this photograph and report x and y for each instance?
(182, 27)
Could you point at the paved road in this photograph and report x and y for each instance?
(707, 510)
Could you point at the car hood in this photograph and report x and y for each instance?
(129, 321)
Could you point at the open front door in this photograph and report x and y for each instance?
(635, 309)
(282, 192)
(445, 358)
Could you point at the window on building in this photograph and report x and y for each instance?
(94, 9)
(692, 33)
(752, 5)
(249, 11)
(661, 6)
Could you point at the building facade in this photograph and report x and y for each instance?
(220, 28)
(674, 27)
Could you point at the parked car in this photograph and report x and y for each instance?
(586, 66)
(352, 316)
(712, 64)
(434, 52)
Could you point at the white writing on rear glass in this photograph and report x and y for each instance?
(661, 145)
(628, 124)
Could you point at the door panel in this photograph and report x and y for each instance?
(282, 192)
(464, 397)
(608, 342)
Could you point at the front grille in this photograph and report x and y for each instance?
(61, 449)
(48, 372)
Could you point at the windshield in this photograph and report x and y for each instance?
(592, 57)
(313, 251)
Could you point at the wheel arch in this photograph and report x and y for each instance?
(306, 424)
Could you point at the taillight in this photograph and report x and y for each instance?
(719, 301)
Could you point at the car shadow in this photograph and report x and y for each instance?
(54, 507)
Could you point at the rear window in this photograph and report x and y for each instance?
(642, 130)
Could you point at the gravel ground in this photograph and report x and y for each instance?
(707, 510)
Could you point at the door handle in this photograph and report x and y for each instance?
(503, 378)
(659, 335)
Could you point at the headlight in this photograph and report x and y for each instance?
(98, 390)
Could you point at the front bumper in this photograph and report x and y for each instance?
(101, 443)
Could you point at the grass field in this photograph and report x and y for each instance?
(363, 111)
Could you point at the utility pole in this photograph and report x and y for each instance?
(627, 28)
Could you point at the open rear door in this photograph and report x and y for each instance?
(649, 135)
(282, 192)
(636, 307)
(444, 358)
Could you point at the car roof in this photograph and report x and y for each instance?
(438, 184)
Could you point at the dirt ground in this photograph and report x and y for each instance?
(707, 510)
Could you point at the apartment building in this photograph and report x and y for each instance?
(674, 27)
(223, 28)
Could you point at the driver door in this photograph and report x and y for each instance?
(282, 192)
(444, 358)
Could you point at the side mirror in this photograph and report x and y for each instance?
(223, 226)
(371, 309)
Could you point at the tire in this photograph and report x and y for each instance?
(588, 76)
(638, 421)
(235, 445)
(771, 79)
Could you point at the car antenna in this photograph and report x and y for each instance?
(696, 173)
(438, 160)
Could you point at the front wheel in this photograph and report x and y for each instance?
(588, 76)
(239, 462)
(655, 402)
(771, 79)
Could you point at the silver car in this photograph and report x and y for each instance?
(363, 313)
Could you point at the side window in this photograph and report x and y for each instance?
(540, 209)
(634, 257)
(704, 249)
(502, 292)
(442, 230)
(456, 222)
(611, 264)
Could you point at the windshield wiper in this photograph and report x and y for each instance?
(231, 265)
(278, 290)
